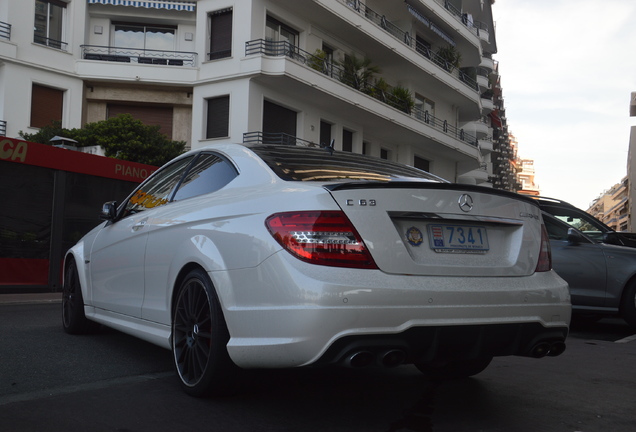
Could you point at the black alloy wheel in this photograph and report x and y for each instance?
(74, 320)
(199, 338)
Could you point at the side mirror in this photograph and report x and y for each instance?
(109, 210)
(612, 238)
(574, 237)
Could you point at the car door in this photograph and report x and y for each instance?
(582, 263)
(169, 230)
(119, 249)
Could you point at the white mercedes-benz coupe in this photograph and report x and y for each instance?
(271, 256)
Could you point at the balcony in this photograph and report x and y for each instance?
(275, 138)
(478, 28)
(5, 30)
(139, 56)
(407, 39)
(396, 97)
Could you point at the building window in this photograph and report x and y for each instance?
(46, 105)
(325, 133)
(148, 37)
(147, 114)
(279, 123)
(277, 32)
(385, 154)
(422, 163)
(424, 108)
(220, 32)
(218, 122)
(347, 141)
(49, 23)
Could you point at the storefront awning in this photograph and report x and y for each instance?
(189, 6)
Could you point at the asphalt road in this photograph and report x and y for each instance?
(50, 381)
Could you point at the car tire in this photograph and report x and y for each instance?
(74, 320)
(628, 304)
(454, 369)
(199, 339)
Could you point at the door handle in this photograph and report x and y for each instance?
(139, 225)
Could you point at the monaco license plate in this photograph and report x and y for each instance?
(446, 238)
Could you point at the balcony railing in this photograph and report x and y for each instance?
(275, 138)
(141, 56)
(474, 26)
(407, 39)
(382, 93)
(5, 30)
(50, 42)
(3, 128)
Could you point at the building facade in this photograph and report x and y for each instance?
(612, 207)
(410, 81)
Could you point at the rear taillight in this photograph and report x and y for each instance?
(320, 237)
(545, 254)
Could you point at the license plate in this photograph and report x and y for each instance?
(447, 238)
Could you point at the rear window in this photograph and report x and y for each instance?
(298, 163)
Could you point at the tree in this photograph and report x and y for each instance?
(121, 137)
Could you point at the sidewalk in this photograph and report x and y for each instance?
(36, 298)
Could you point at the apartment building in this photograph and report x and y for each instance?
(612, 207)
(410, 81)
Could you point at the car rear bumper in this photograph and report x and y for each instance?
(286, 313)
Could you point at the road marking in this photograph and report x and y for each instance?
(627, 339)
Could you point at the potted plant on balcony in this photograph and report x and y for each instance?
(358, 73)
(318, 60)
(448, 57)
(402, 99)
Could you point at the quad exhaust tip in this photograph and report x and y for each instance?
(389, 358)
(551, 349)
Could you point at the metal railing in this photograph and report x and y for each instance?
(53, 43)
(474, 26)
(5, 30)
(275, 138)
(382, 93)
(141, 56)
(3, 128)
(407, 39)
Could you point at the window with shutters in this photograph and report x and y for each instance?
(347, 140)
(220, 34)
(421, 163)
(325, 133)
(149, 115)
(46, 105)
(218, 121)
(49, 23)
(279, 124)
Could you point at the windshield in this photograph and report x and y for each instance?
(298, 163)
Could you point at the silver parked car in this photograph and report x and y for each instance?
(598, 263)
(270, 256)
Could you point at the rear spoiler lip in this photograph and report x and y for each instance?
(333, 187)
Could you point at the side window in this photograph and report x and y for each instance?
(208, 174)
(156, 192)
(556, 230)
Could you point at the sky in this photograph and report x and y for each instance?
(567, 69)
